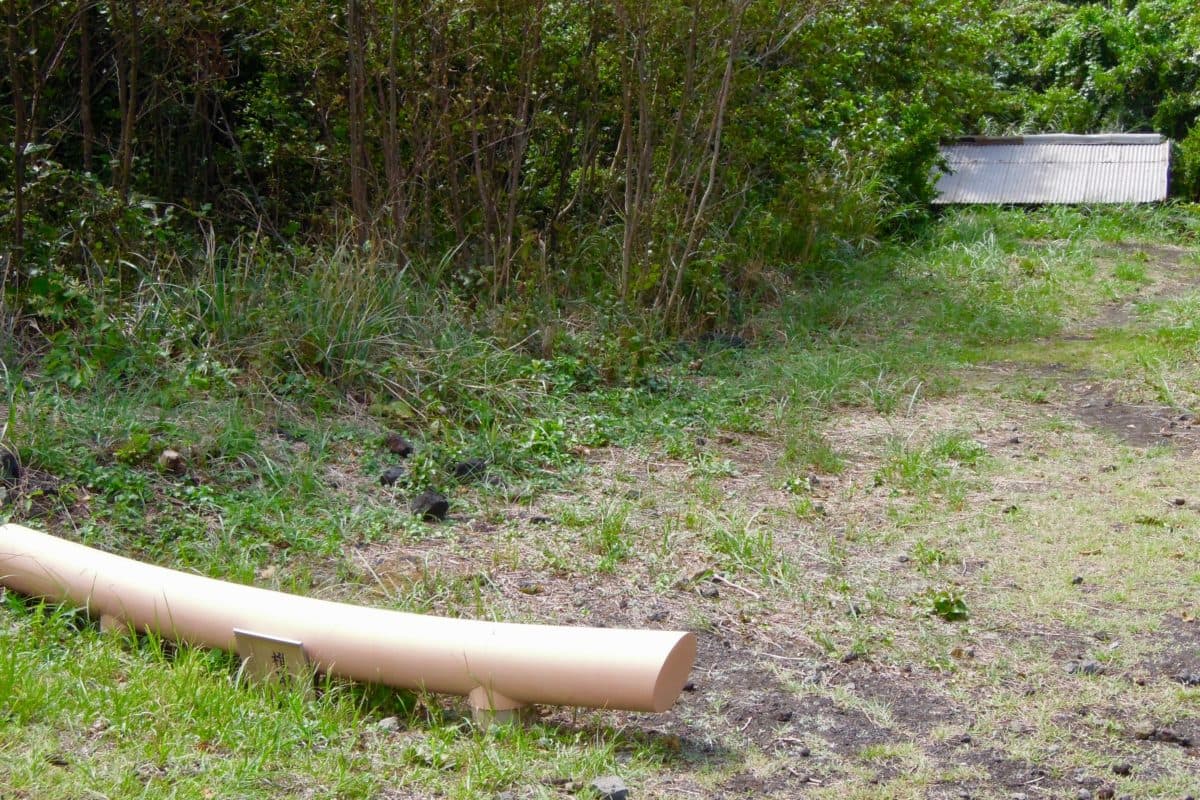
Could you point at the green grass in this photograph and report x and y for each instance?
(137, 717)
(849, 432)
(940, 468)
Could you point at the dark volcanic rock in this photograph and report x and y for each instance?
(10, 468)
(398, 445)
(391, 475)
(430, 506)
(1188, 678)
(1085, 668)
(610, 787)
(469, 469)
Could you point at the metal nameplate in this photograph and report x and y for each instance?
(271, 658)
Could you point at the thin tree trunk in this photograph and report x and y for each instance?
(533, 30)
(630, 210)
(391, 156)
(88, 129)
(689, 81)
(15, 44)
(357, 119)
(722, 104)
(487, 203)
(127, 91)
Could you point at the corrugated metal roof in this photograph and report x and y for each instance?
(1056, 168)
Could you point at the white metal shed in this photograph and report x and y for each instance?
(1056, 168)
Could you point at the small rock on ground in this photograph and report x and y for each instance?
(430, 506)
(10, 467)
(1188, 678)
(709, 591)
(388, 724)
(172, 461)
(610, 787)
(398, 445)
(391, 475)
(469, 469)
(1085, 668)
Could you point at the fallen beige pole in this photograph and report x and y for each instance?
(498, 666)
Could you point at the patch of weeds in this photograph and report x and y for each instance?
(1133, 270)
(1036, 391)
(824, 640)
(887, 751)
(135, 450)
(557, 562)
(949, 604)
(751, 549)
(958, 447)
(709, 465)
(806, 447)
(930, 557)
(805, 508)
(932, 469)
(609, 538)
(886, 392)
(572, 516)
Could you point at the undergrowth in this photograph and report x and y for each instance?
(276, 374)
(277, 378)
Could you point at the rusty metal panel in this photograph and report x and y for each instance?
(1056, 168)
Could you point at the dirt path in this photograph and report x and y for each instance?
(996, 597)
(1072, 543)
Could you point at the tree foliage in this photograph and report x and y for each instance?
(676, 155)
(1102, 67)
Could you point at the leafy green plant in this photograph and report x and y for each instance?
(929, 556)
(949, 604)
(136, 449)
(806, 447)
(610, 537)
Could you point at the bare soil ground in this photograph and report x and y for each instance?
(995, 595)
(1073, 543)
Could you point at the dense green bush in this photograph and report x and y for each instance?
(685, 160)
(639, 153)
(1098, 67)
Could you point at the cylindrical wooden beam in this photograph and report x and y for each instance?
(498, 665)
